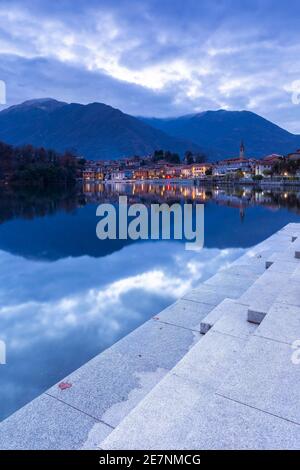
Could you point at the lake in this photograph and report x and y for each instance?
(65, 296)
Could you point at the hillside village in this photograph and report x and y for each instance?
(274, 166)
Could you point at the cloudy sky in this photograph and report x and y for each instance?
(155, 57)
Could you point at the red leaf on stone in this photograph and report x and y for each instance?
(64, 385)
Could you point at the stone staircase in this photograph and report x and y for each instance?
(166, 386)
(238, 387)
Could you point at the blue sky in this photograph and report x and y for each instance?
(155, 58)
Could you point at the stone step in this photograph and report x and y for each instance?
(235, 393)
(236, 276)
(162, 419)
(266, 377)
(282, 323)
(240, 277)
(220, 286)
(289, 255)
(262, 294)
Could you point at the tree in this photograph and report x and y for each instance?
(188, 157)
(200, 158)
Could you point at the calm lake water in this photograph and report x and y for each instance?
(65, 296)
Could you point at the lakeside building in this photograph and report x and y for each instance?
(262, 167)
(232, 165)
(93, 174)
(122, 175)
(144, 168)
(199, 170)
(141, 174)
(294, 155)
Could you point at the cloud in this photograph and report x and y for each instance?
(154, 58)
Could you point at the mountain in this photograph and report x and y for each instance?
(98, 131)
(219, 133)
(95, 131)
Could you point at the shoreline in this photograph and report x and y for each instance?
(204, 182)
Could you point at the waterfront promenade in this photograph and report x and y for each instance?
(219, 369)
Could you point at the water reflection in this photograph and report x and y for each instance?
(57, 315)
(236, 197)
(51, 228)
(65, 296)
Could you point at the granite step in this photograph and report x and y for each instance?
(290, 255)
(262, 294)
(243, 274)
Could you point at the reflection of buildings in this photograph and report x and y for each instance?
(237, 198)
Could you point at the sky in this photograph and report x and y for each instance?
(155, 58)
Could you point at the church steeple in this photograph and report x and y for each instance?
(242, 150)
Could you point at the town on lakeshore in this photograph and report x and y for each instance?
(161, 166)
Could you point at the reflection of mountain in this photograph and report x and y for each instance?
(59, 226)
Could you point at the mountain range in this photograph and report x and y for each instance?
(98, 131)
(220, 132)
(95, 131)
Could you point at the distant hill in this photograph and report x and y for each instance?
(96, 131)
(219, 133)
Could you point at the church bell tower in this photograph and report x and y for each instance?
(242, 150)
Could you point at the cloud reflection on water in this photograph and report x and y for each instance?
(55, 316)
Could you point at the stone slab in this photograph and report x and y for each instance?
(209, 361)
(229, 308)
(250, 259)
(266, 378)
(296, 274)
(109, 386)
(225, 282)
(290, 293)
(282, 323)
(280, 266)
(234, 321)
(185, 313)
(162, 420)
(227, 425)
(262, 294)
(253, 270)
(47, 423)
(178, 415)
(205, 294)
